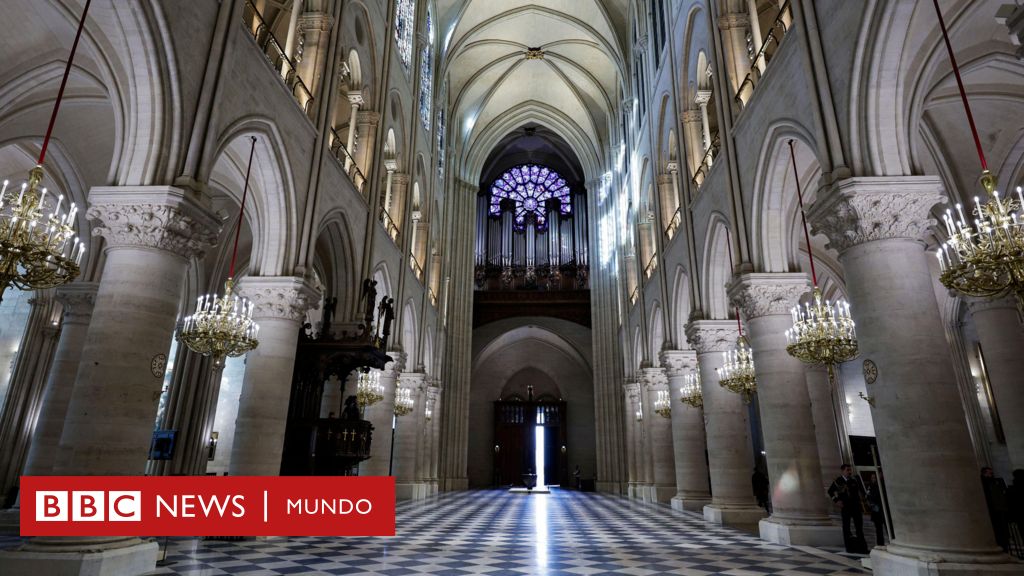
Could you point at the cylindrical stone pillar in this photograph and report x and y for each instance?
(799, 506)
(280, 303)
(730, 460)
(1002, 346)
(381, 415)
(940, 525)
(693, 491)
(634, 455)
(408, 430)
(659, 438)
(830, 456)
(77, 300)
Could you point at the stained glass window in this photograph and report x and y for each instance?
(427, 72)
(530, 186)
(405, 15)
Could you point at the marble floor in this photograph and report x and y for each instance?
(502, 534)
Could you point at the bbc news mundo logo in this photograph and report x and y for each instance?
(88, 506)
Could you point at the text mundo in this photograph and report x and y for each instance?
(187, 506)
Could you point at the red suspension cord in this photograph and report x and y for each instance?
(960, 85)
(63, 84)
(803, 216)
(241, 210)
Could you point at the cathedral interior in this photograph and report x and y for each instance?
(607, 286)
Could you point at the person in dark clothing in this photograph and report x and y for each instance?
(762, 489)
(351, 411)
(995, 498)
(874, 498)
(1016, 499)
(847, 491)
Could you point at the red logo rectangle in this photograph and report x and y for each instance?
(207, 506)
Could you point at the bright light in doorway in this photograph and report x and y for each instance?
(538, 456)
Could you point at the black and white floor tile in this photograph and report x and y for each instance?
(500, 534)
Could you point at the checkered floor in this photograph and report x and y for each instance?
(502, 534)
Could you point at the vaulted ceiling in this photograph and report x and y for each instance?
(498, 82)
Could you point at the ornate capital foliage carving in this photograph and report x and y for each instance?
(691, 117)
(279, 297)
(394, 368)
(315, 21)
(760, 295)
(77, 299)
(678, 362)
(733, 20)
(367, 117)
(708, 336)
(165, 218)
(860, 210)
(654, 379)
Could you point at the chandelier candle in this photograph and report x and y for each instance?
(690, 393)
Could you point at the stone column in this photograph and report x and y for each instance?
(399, 189)
(381, 416)
(755, 33)
(830, 457)
(668, 198)
(659, 433)
(77, 300)
(799, 507)
(151, 234)
(433, 434)
(941, 526)
(737, 62)
(315, 28)
(692, 132)
(730, 460)
(355, 100)
(693, 491)
(634, 457)
(409, 483)
(1002, 342)
(191, 406)
(280, 303)
(366, 124)
(702, 100)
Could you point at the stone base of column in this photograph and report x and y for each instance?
(10, 521)
(747, 516)
(685, 503)
(455, 484)
(816, 534)
(662, 494)
(609, 487)
(125, 557)
(898, 561)
(412, 491)
(432, 488)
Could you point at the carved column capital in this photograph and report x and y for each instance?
(399, 179)
(678, 362)
(77, 300)
(279, 297)
(707, 336)
(691, 117)
(161, 217)
(367, 118)
(860, 210)
(355, 98)
(415, 381)
(702, 99)
(759, 294)
(315, 21)
(654, 379)
(397, 364)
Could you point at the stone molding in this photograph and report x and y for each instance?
(678, 362)
(707, 336)
(759, 294)
(162, 217)
(279, 297)
(77, 300)
(315, 22)
(415, 381)
(691, 117)
(860, 210)
(1005, 303)
(367, 118)
(399, 179)
(733, 20)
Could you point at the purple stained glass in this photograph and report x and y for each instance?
(530, 186)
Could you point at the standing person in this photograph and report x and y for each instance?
(1016, 494)
(762, 489)
(874, 498)
(995, 497)
(847, 491)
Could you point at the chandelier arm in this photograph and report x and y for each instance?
(63, 84)
(960, 85)
(803, 216)
(241, 209)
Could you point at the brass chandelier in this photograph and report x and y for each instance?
(38, 246)
(369, 390)
(690, 392)
(663, 404)
(223, 326)
(984, 255)
(737, 372)
(404, 401)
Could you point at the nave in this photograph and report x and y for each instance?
(502, 534)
